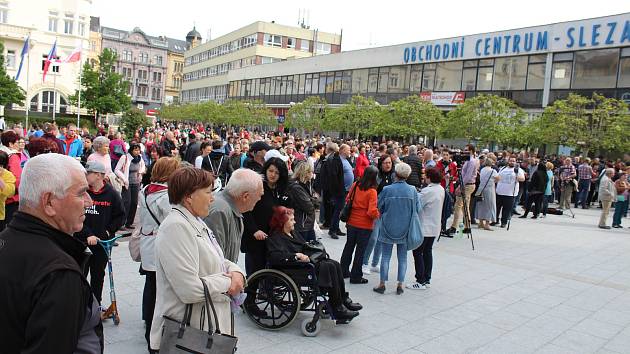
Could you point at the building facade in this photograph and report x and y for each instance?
(64, 21)
(96, 40)
(532, 66)
(206, 66)
(174, 70)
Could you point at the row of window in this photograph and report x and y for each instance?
(604, 68)
(143, 57)
(142, 91)
(4, 12)
(178, 67)
(227, 48)
(212, 93)
(68, 23)
(220, 69)
(275, 40)
(143, 75)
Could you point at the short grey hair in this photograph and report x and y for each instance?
(402, 170)
(332, 147)
(99, 142)
(413, 150)
(243, 180)
(610, 171)
(55, 169)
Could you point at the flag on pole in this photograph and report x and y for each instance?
(25, 49)
(73, 57)
(51, 55)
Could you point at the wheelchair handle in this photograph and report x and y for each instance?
(110, 241)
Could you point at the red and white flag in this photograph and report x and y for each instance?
(73, 57)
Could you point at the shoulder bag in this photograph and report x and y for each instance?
(479, 197)
(344, 215)
(179, 337)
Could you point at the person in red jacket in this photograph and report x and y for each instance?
(10, 145)
(449, 171)
(362, 162)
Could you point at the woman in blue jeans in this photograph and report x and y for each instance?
(398, 204)
(621, 205)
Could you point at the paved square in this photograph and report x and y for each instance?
(553, 285)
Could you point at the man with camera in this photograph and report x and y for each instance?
(465, 189)
(567, 178)
(507, 188)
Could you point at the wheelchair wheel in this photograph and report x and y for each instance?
(310, 329)
(276, 295)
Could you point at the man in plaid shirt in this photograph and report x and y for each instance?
(585, 174)
(567, 174)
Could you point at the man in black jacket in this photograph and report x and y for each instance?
(413, 160)
(333, 188)
(46, 302)
(193, 149)
(218, 163)
(102, 220)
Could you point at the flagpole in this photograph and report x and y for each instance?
(54, 84)
(28, 72)
(79, 97)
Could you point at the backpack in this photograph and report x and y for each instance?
(118, 150)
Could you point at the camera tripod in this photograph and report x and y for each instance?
(465, 209)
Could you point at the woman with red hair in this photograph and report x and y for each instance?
(285, 246)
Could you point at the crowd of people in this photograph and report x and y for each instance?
(195, 197)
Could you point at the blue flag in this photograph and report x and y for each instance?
(25, 49)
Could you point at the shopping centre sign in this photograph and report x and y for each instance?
(577, 35)
(443, 98)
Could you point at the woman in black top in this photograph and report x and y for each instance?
(284, 246)
(385, 172)
(537, 186)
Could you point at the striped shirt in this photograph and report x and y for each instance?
(585, 171)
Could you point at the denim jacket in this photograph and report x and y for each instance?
(395, 204)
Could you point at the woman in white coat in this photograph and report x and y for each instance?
(431, 200)
(187, 253)
(153, 209)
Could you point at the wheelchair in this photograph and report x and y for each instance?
(283, 291)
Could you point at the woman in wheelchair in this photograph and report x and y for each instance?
(284, 246)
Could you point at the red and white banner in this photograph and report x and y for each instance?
(443, 98)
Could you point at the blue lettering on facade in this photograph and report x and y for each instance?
(496, 48)
(462, 47)
(428, 51)
(455, 50)
(413, 54)
(595, 34)
(529, 41)
(625, 35)
(571, 42)
(541, 43)
(436, 52)
(406, 55)
(477, 50)
(420, 48)
(507, 43)
(611, 31)
(581, 41)
(446, 51)
(516, 43)
(486, 46)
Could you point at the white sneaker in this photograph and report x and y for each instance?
(375, 269)
(416, 286)
(366, 270)
(427, 285)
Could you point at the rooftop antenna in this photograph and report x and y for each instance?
(209, 37)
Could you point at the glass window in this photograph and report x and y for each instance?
(428, 78)
(294, 85)
(315, 89)
(448, 76)
(272, 40)
(359, 81)
(337, 83)
(624, 72)
(383, 79)
(510, 73)
(346, 82)
(538, 58)
(398, 79)
(301, 84)
(322, 83)
(470, 63)
(68, 26)
(52, 21)
(305, 45)
(486, 62)
(415, 79)
(484, 78)
(308, 84)
(596, 69)
(563, 57)
(469, 79)
(372, 80)
(4, 12)
(625, 52)
(536, 76)
(323, 48)
(291, 43)
(561, 75)
(10, 63)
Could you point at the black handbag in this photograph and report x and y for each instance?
(179, 337)
(315, 251)
(344, 215)
(479, 197)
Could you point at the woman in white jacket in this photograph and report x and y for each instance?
(130, 169)
(153, 209)
(430, 213)
(188, 255)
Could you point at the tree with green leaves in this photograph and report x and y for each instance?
(357, 116)
(307, 115)
(410, 117)
(590, 124)
(10, 91)
(103, 90)
(483, 118)
(132, 120)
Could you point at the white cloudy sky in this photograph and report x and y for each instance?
(366, 23)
